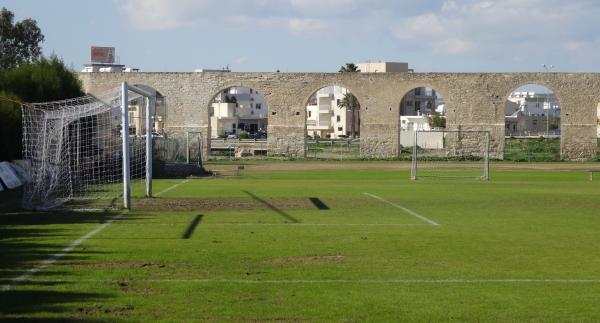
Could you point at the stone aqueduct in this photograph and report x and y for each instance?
(473, 101)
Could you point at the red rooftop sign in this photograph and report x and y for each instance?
(103, 55)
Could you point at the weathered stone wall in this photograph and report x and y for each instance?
(473, 100)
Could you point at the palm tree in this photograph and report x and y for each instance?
(349, 68)
(351, 103)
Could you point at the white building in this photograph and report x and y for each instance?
(383, 67)
(532, 114)
(238, 109)
(326, 119)
(415, 123)
(533, 104)
(419, 101)
(137, 113)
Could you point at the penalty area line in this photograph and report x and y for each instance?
(413, 213)
(171, 187)
(48, 262)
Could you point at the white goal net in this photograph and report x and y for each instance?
(74, 150)
(450, 154)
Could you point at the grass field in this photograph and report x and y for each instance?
(327, 243)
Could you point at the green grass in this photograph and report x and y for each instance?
(532, 149)
(280, 258)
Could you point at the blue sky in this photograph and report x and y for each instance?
(321, 35)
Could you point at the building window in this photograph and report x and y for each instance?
(309, 114)
(409, 103)
(251, 105)
(338, 118)
(258, 106)
(340, 129)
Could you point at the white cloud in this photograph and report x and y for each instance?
(511, 29)
(491, 27)
(304, 25)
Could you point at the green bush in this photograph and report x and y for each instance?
(45, 80)
(10, 127)
(48, 79)
(243, 135)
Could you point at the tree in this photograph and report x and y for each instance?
(437, 121)
(349, 68)
(47, 79)
(349, 101)
(42, 81)
(10, 126)
(19, 42)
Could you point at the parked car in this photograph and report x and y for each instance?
(258, 135)
(232, 136)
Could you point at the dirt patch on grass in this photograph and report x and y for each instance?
(120, 265)
(306, 260)
(214, 204)
(99, 308)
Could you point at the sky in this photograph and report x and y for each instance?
(322, 35)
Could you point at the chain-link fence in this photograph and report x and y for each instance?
(333, 149)
(187, 149)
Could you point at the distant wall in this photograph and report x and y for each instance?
(473, 101)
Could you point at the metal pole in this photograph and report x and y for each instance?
(149, 104)
(187, 147)
(125, 134)
(486, 165)
(413, 173)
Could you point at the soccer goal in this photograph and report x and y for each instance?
(450, 154)
(84, 151)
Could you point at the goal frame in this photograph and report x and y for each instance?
(150, 102)
(486, 153)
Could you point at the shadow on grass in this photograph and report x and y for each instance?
(27, 239)
(318, 203)
(190, 230)
(273, 207)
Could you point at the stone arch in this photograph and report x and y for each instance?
(350, 130)
(530, 119)
(253, 122)
(405, 140)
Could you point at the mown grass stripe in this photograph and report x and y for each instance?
(48, 262)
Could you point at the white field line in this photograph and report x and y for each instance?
(288, 224)
(46, 263)
(171, 187)
(333, 281)
(415, 214)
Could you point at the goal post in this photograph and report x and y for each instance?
(450, 153)
(148, 98)
(83, 153)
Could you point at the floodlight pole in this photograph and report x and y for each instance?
(150, 103)
(125, 134)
